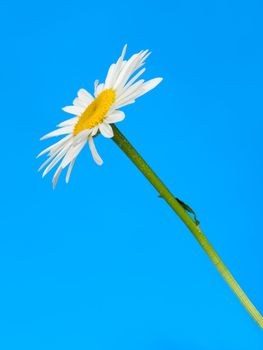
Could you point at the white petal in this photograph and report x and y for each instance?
(119, 68)
(55, 145)
(56, 150)
(94, 131)
(54, 153)
(149, 85)
(99, 89)
(115, 117)
(73, 110)
(85, 96)
(130, 82)
(72, 153)
(124, 51)
(68, 122)
(134, 63)
(82, 136)
(96, 83)
(125, 69)
(110, 76)
(126, 72)
(56, 176)
(94, 152)
(126, 103)
(79, 102)
(59, 156)
(106, 130)
(119, 65)
(144, 55)
(44, 164)
(58, 132)
(132, 92)
(127, 100)
(69, 170)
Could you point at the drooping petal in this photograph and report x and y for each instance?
(72, 153)
(56, 176)
(82, 136)
(55, 145)
(56, 150)
(70, 169)
(94, 152)
(59, 156)
(45, 163)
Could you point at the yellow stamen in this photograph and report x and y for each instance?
(95, 113)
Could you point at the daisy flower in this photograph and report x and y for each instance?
(94, 115)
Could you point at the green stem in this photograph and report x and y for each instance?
(135, 157)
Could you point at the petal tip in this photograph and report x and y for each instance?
(158, 80)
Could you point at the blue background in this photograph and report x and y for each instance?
(103, 263)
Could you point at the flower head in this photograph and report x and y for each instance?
(94, 115)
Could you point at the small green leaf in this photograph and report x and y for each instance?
(189, 210)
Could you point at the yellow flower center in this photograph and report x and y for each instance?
(95, 113)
